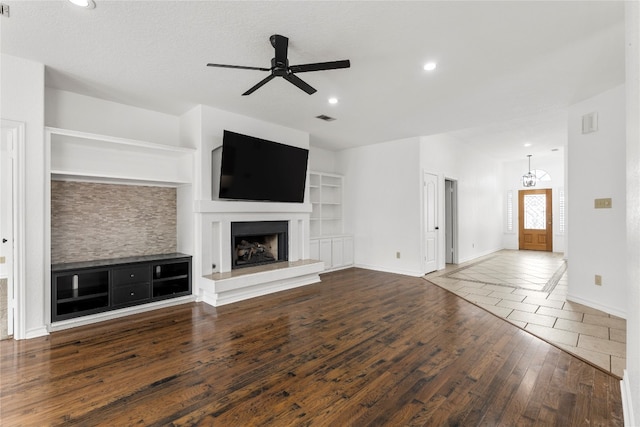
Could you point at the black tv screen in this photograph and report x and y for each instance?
(251, 168)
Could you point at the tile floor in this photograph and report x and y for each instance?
(529, 289)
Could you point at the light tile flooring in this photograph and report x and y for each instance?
(529, 289)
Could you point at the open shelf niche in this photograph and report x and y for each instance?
(92, 295)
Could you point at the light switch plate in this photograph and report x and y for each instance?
(2, 260)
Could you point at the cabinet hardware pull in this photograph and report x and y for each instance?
(133, 293)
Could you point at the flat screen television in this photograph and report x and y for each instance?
(249, 168)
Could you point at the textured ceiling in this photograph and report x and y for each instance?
(506, 72)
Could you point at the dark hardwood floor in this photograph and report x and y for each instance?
(361, 348)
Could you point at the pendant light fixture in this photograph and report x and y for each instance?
(529, 179)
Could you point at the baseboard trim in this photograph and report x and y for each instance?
(114, 314)
(35, 333)
(412, 273)
(597, 306)
(627, 407)
(480, 255)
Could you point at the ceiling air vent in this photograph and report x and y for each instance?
(325, 118)
(590, 123)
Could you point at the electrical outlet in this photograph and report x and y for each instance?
(398, 255)
(598, 280)
(602, 203)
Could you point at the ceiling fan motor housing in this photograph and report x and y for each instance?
(280, 67)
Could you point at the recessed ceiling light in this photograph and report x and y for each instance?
(430, 66)
(527, 144)
(333, 100)
(87, 4)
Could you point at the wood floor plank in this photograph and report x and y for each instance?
(360, 348)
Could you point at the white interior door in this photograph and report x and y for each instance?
(431, 228)
(7, 226)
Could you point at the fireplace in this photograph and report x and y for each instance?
(258, 242)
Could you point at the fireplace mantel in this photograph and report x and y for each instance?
(233, 206)
(216, 284)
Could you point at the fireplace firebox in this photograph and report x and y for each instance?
(259, 242)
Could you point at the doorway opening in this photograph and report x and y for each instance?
(451, 221)
(535, 226)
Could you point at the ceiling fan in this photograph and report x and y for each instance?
(280, 67)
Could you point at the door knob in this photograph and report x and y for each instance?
(4, 240)
(437, 228)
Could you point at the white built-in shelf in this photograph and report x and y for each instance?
(98, 140)
(325, 192)
(84, 156)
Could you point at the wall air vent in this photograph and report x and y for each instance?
(590, 123)
(325, 118)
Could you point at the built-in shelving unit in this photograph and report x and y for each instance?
(91, 157)
(328, 242)
(85, 292)
(325, 191)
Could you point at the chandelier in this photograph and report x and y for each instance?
(529, 179)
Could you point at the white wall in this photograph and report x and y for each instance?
(631, 383)
(214, 122)
(22, 100)
(480, 193)
(553, 164)
(70, 110)
(597, 236)
(321, 160)
(382, 191)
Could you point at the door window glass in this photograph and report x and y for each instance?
(535, 211)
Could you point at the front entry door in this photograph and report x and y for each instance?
(535, 220)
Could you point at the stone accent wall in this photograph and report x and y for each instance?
(92, 221)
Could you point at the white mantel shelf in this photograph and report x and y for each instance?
(225, 288)
(233, 206)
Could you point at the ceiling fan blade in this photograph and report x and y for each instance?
(259, 85)
(300, 83)
(241, 67)
(319, 66)
(281, 44)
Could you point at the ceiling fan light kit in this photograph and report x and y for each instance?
(280, 67)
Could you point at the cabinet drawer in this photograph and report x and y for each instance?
(130, 293)
(126, 276)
